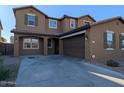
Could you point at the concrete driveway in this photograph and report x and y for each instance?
(62, 71)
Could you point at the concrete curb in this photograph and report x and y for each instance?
(7, 83)
(105, 69)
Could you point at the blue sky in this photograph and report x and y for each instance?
(98, 12)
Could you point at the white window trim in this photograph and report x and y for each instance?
(31, 25)
(109, 49)
(35, 20)
(122, 34)
(122, 48)
(31, 14)
(31, 44)
(110, 31)
(74, 24)
(51, 44)
(50, 25)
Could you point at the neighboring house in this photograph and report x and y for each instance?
(12, 39)
(38, 34)
(1, 28)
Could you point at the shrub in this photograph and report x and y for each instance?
(112, 63)
(1, 62)
(4, 73)
(0, 53)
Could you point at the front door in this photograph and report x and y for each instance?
(56, 46)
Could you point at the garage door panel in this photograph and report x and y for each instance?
(74, 46)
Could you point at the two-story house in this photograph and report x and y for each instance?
(38, 34)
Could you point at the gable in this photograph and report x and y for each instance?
(115, 26)
(28, 10)
(88, 17)
(28, 7)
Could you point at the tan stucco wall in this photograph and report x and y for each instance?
(52, 30)
(43, 26)
(43, 22)
(16, 45)
(43, 46)
(60, 46)
(97, 48)
(20, 20)
(52, 49)
(87, 44)
(65, 24)
(30, 51)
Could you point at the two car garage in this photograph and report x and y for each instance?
(74, 46)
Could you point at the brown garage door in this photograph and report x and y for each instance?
(74, 46)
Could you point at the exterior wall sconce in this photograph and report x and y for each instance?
(93, 42)
(16, 40)
(86, 37)
(93, 56)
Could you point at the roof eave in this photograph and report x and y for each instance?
(41, 34)
(88, 16)
(76, 30)
(19, 8)
(108, 20)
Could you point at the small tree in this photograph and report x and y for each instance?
(3, 40)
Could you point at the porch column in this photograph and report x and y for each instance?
(60, 46)
(45, 43)
(16, 45)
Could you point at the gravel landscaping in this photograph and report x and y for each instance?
(119, 69)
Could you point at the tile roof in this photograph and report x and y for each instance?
(108, 20)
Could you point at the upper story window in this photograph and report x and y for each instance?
(109, 40)
(52, 23)
(31, 20)
(72, 23)
(122, 41)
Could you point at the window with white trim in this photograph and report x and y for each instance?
(30, 43)
(52, 23)
(31, 20)
(122, 41)
(50, 43)
(72, 23)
